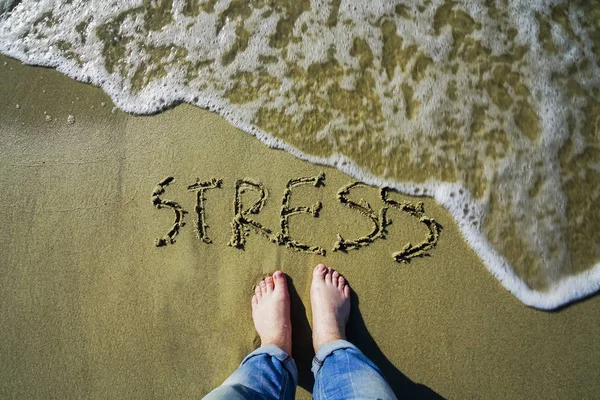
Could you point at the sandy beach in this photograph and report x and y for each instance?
(92, 308)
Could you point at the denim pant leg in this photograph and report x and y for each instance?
(266, 373)
(342, 371)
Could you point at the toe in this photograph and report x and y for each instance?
(328, 275)
(263, 287)
(341, 282)
(334, 278)
(320, 271)
(254, 300)
(347, 291)
(269, 284)
(279, 280)
(257, 292)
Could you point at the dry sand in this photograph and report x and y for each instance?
(91, 308)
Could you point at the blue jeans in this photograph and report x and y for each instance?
(341, 371)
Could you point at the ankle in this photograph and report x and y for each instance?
(282, 344)
(326, 338)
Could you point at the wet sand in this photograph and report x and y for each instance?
(91, 308)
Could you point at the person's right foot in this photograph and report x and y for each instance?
(271, 312)
(330, 301)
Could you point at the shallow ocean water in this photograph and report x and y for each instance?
(491, 107)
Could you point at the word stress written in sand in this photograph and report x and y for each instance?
(243, 224)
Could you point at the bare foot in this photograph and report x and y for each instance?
(271, 312)
(330, 300)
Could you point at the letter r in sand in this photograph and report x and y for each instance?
(242, 224)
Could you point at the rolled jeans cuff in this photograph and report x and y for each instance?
(274, 351)
(326, 350)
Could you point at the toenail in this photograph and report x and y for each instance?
(277, 274)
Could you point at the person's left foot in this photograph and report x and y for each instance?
(271, 312)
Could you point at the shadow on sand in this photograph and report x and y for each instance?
(358, 334)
